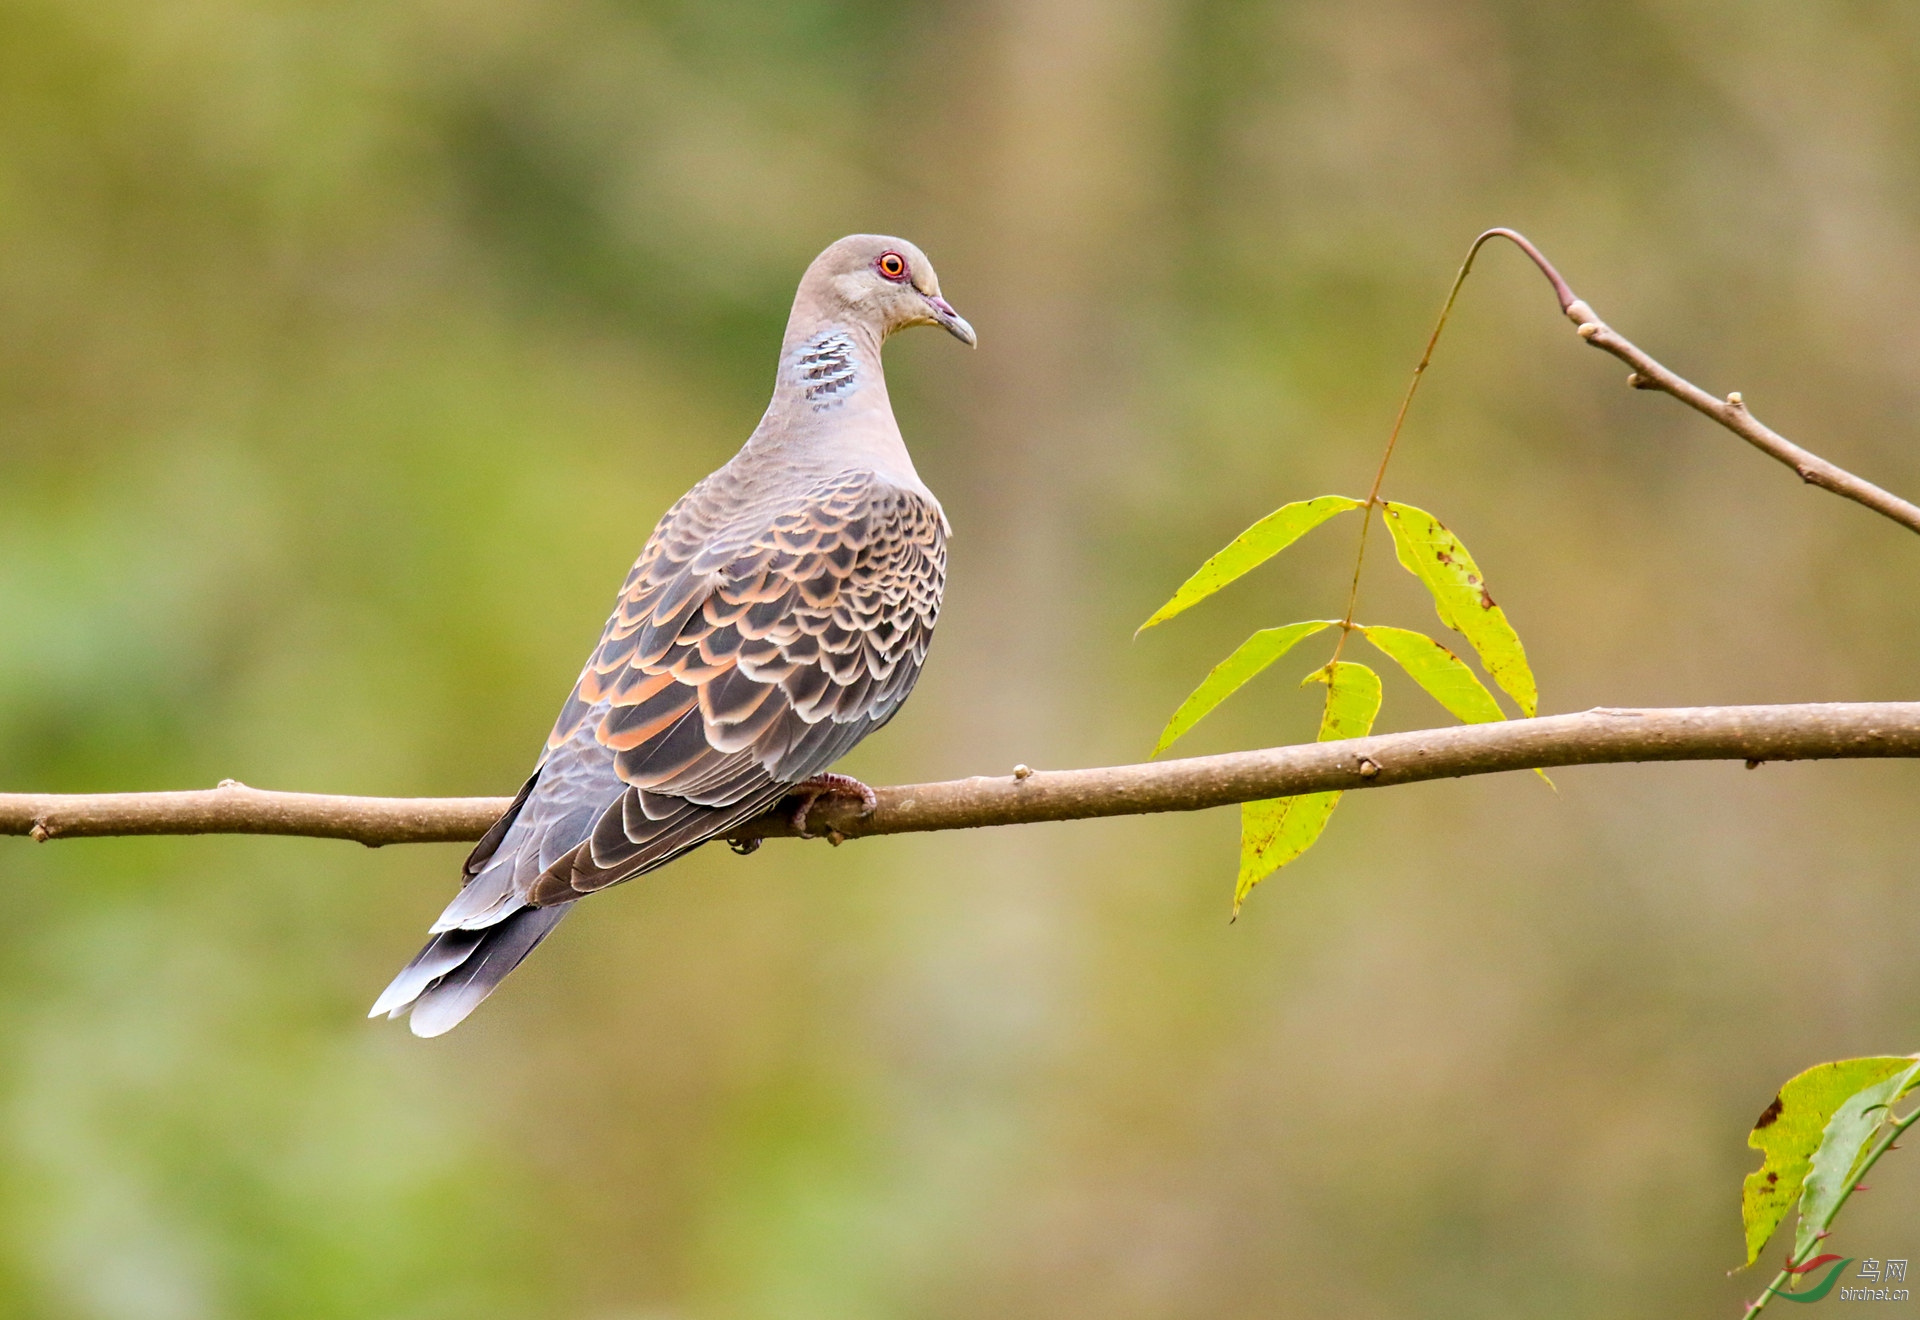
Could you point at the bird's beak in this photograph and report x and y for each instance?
(956, 324)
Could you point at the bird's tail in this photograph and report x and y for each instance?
(459, 968)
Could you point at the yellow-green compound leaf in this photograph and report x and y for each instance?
(1835, 1165)
(1250, 549)
(1789, 1133)
(1434, 555)
(1274, 832)
(1233, 673)
(1443, 674)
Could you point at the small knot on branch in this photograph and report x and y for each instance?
(1639, 382)
(1022, 772)
(41, 831)
(1588, 329)
(1582, 315)
(1735, 402)
(1368, 767)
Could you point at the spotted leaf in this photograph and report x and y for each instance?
(1434, 555)
(1789, 1134)
(1842, 1144)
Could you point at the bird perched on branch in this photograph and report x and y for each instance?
(779, 613)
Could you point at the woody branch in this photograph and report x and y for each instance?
(1602, 736)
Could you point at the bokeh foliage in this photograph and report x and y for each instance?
(347, 351)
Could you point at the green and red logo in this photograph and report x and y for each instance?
(1820, 1289)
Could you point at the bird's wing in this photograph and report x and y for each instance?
(744, 657)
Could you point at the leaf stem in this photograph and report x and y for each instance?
(1880, 1148)
(1400, 418)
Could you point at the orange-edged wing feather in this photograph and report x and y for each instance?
(743, 658)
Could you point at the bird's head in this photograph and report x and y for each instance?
(885, 283)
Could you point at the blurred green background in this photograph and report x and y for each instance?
(348, 352)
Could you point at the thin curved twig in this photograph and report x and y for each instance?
(1601, 736)
(1731, 412)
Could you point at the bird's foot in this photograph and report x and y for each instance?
(805, 794)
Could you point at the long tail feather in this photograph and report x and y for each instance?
(445, 1002)
(443, 953)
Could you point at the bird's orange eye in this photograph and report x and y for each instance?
(892, 265)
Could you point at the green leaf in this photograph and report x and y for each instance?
(1250, 549)
(1443, 674)
(1842, 1143)
(1353, 699)
(1789, 1133)
(1434, 555)
(1233, 673)
(1274, 832)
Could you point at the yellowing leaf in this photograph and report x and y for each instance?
(1842, 1143)
(1353, 699)
(1443, 674)
(1274, 832)
(1434, 555)
(1250, 549)
(1231, 674)
(1789, 1133)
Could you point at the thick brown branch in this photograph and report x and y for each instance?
(1749, 733)
(1731, 412)
(234, 808)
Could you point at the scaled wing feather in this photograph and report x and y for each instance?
(756, 640)
(746, 653)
